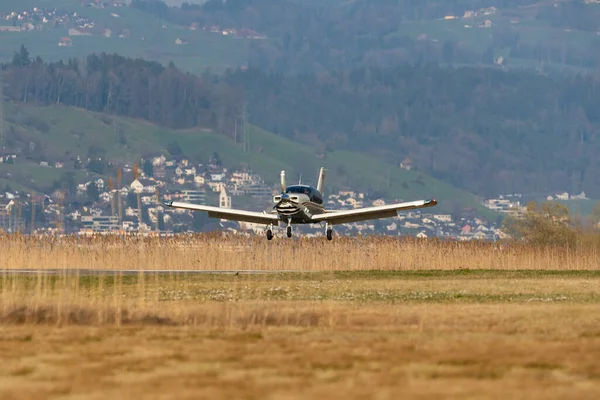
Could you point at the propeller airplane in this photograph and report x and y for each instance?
(303, 204)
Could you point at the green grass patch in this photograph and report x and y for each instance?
(151, 39)
(108, 277)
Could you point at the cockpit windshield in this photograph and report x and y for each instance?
(298, 189)
(313, 194)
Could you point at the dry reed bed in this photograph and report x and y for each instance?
(218, 252)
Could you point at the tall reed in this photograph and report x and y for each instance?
(220, 252)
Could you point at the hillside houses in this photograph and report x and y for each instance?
(144, 186)
(38, 18)
(135, 204)
(44, 19)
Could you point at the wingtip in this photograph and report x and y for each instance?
(433, 202)
(168, 203)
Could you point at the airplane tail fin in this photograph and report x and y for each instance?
(321, 181)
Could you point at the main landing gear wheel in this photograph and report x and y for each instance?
(329, 232)
(288, 231)
(270, 232)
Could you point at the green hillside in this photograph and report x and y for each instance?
(60, 133)
(150, 38)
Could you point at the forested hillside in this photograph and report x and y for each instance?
(133, 88)
(484, 130)
(332, 35)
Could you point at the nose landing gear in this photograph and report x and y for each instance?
(329, 232)
(288, 228)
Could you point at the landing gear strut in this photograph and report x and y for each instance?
(329, 232)
(270, 232)
(288, 228)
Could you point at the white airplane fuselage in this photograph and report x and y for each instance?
(298, 204)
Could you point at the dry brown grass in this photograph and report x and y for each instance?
(242, 302)
(214, 252)
(358, 334)
(424, 351)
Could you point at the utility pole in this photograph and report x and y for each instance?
(2, 112)
(60, 228)
(119, 202)
(18, 217)
(9, 213)
(136, 174)
(388, 178)
(32, 214)
(157, 205)
(245, 128)
(113, 195)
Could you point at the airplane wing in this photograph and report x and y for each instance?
(223, 213)
(363, 214)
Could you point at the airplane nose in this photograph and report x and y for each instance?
(285, 197)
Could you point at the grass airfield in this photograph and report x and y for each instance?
(361, 332)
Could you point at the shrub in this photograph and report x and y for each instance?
(547, 223)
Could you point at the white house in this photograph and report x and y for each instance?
(158, 161)
(100, 183)
(105, 197)
(562, 196)
(217, 177)
(378, 202)
(215, 186)
(143, 186)
(190, 171)
(443, 217)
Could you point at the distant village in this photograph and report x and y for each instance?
(132, 203)
(40, 19)
(109, 205)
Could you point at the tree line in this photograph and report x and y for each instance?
(130, 87)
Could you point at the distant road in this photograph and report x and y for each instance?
(137, 272)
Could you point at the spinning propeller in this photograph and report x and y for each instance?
(283, 186)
